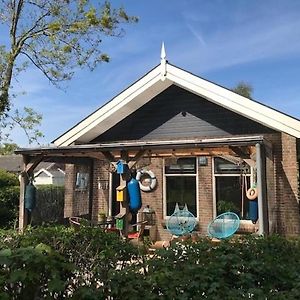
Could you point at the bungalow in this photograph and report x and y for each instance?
(192, 143)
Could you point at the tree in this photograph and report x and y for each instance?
(27, 119)
(8, 148)
(56, 37)
(243, 89)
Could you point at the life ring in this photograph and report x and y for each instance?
(252, 193)
(151, 186)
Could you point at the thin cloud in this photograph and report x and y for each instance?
(248, 42)
(197, 34)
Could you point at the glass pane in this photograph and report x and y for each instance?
(223, 166)
(183, 165)
(181, 190)
(229, 196)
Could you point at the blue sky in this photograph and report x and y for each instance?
(224, 41)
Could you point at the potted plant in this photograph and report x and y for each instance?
(102, 216)
(225, 206)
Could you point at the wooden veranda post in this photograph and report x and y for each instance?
(262, 229)
(27, 173)
(23, 214)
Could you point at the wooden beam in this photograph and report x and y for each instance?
(33, 163)
(242, 152)
(124, 155)
(68, 160)
(136, 158)
(109, 156)
(23, 216)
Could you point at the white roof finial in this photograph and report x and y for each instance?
(163, 51)
(163, 62)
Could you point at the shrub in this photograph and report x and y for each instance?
(98, 265)
(8, 179)
(33, 273)
(9, 199)
(91, 252)
(250, 268)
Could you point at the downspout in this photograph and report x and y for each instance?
(110, 194)
(260, 198)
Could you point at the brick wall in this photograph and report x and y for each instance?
(205, 189)
(155, 198)
(100, 188)
(282, 190)
(76, 200)
(282, 200)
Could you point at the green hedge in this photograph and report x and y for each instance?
(49, 204)
(57, 262)
(8, 179)
(9, 199)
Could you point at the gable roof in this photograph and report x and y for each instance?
(158, 80)
(14, 163)
(50, 173)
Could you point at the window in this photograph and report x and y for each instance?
(82, 181)
(180, 184)
(231, 182)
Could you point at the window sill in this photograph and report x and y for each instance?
(246, 226)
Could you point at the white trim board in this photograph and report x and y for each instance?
(152, 84)
(43, 171)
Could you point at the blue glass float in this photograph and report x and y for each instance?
(181, 222)
(224, 225)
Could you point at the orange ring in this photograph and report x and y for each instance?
(252, 193)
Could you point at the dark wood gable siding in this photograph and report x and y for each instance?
(177, 113)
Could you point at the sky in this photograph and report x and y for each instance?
(224, 41)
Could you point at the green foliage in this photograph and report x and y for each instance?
(26, 119)
(226, 206)
(49, 202)
(9, 198)
(8, 148)
(32, 273)
(55, 37)
(8, 179)
(92, 264)
(90, 254)
(243, 89)
(249, 268)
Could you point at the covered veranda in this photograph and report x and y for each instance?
(132, 151)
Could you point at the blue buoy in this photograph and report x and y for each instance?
(30, 197)
(135, 198)
(253, 210)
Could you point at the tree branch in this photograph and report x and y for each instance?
(30, 33)
(39, 67)
(15, 20)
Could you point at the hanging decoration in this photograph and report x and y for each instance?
(148, 177)
(30, 196)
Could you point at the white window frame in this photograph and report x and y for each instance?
(214, 175)
(177, 175)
